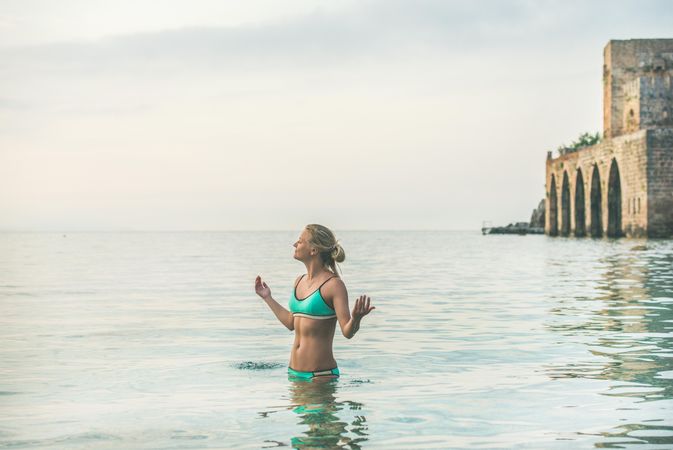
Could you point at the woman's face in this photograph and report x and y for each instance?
(302, 248)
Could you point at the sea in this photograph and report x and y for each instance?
(157, 340)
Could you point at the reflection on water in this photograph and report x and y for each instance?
(637, 434)
(325, 421)
(626, 327)
(323, 417)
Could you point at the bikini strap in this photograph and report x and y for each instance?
(297, 283)
(326, 281)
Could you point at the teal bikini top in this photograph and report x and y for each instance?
(313, 306)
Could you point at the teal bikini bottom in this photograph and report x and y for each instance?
(309, 375)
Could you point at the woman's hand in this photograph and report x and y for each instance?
(261, 288)
(362, 307)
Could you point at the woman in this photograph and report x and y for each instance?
(318, 301)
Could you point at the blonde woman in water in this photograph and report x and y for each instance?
(319, 299)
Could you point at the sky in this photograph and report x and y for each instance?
(268, 115)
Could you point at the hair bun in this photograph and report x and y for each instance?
(338, 253)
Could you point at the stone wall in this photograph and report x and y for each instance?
(629, 60)
(660, 187)
(648, 103)
(645, 163)
(629, 152)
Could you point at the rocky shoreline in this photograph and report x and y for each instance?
(535, 226)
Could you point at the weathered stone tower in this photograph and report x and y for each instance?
(622, 186)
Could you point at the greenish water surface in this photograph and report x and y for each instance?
(157, 340)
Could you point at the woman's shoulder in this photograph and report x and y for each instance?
(335, 283)
(332, 289)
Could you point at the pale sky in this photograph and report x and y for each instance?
(266, 114)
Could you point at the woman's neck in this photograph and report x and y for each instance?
(314, 269)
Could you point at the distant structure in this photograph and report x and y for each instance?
(622, 186)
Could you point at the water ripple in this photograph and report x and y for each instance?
(157, 340)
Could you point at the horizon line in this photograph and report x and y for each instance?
(215, 230)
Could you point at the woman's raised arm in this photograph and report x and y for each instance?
(350, 324)
(264, 291)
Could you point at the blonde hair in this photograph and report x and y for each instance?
(331, 252)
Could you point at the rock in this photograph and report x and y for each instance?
(537, 218)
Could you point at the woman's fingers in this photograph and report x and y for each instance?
(260, 285)
(362, 305)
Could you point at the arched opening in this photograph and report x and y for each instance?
(614, 201)
(596, 206)
(565, 206)
(553, 208)
(580, 221)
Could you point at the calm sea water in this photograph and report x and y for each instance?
(157, 340)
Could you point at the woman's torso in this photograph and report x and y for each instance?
(314, 325)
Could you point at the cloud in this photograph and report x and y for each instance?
(11, 104)
(373, 30)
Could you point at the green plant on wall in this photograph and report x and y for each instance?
(584, 140)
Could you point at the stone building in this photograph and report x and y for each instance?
(623, 185)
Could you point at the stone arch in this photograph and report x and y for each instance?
(565, 205)
(614, 201)
(580, 216)
(553, 208)
(596, 204)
